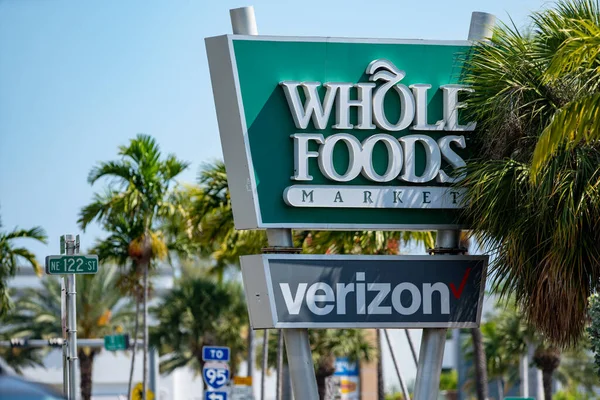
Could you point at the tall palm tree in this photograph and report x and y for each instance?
(115, 249)
(11, 256)
(138, 193)
(501, 364)
(100, 309)
(543, 230)
(196, 313)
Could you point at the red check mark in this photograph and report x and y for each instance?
(458, 292)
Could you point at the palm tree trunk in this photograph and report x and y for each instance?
(547, 379)
(380, 388)
(481, 380)
(135, 336)
(86, 364)
(279, 395)
(321, 386)
(265, 363)
(145, 322)
(250, 360)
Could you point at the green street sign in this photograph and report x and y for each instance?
(325, 133)
(519, 398)
(76, 264)
(116, 342)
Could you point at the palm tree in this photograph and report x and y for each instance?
(547, 359)
(543, 230)
(501, 364)
(100, 309)
(326, 344)
(196, 313)
(211, 220)
(138, 196)
(210, 228)
(577, 58)
(115, 249)
(11, 256)
(18, 358)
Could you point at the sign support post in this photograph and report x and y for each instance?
(434, 340)
(302, 374)
(297, 345)
(72, 248)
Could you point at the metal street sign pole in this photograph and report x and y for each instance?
(434, 340)
(302, 374)
(72, 248)
(63, 321)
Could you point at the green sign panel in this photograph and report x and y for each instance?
(76, 264)
(116, 342)
(341, 133)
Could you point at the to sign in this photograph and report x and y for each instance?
(333, 291)
(62, 265)
(216, 375)
(215, 353)
(215, 395)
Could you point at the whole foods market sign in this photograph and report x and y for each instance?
(315, 291)
(340, 133)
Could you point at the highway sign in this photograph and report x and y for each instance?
(215, 353)
(215, 395)
(77, 264)
(216, 375)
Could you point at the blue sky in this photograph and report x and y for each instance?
(77, 79)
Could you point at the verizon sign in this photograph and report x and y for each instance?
(308, 291)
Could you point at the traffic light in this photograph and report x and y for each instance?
(18, 342)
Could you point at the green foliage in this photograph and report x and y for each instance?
(449, 380)
(135, 204)
(577, 370)
(11, 256)
(543, 230)
(199, 312)
(208, 226)
(361, 242)
(572, 394)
